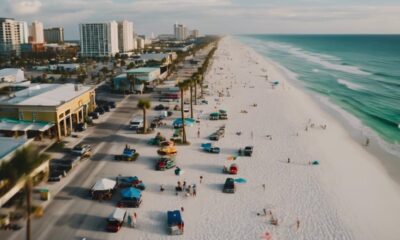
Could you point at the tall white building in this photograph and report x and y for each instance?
(180, 32)
(36, 32)
(12, 34)
(125, 36)
(99, 39)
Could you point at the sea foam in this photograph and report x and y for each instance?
(350, 85)
(320, 59)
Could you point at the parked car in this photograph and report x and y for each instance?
(82, 149)
(176, 225)
(233, 169)
(123, 182)
(111, 104)
(80, 127)
(165, 163)
(229, 186)
(246, 151)
(94, 115)
(100, 110)
(161, 107)
(116, 220)
(214, 137)
(106, 107)
(136, 123)
(55, 176)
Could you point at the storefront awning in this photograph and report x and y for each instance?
(7, 124)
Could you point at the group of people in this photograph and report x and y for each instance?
(189, 190)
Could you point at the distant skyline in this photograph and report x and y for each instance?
(215, 16)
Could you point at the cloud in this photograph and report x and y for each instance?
(24, 7)
(214, 16)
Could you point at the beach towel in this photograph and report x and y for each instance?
(240, 180)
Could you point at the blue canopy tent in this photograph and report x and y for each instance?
(131, 193)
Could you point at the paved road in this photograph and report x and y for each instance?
(72, 212)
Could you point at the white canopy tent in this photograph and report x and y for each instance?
(104, 184)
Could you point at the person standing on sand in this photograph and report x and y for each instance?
(263, 186)
(288, 160)
(198, 133)
(201, 179)
(134, 219)
(367, 142)
(298, 224)
(129, 220)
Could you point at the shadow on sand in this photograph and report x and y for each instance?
(158, 219)
(208, 168)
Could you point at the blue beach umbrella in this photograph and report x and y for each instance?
(240, 180)
(130, 193)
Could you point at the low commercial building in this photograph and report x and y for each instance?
(55, 107)
(165, 58)
(141, 78)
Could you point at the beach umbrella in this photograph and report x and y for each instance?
(315, 162)
(240, 180)
(130, 193)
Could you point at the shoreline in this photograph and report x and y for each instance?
(384, 157)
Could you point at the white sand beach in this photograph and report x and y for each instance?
(347, 196)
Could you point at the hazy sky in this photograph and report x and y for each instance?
(215, 16)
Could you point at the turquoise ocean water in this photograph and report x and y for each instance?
(358, 73)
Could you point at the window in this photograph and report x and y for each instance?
(34, 114)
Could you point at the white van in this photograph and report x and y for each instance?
(136, 123)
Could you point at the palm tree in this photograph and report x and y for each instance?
(183, 87)
(196, 82)
(190, 83)
(144, 104)
(131, 80)
(25, 160)
(28, 189)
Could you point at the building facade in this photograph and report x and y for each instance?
(54, 35)
(36, 34)
(139, 43)
(61, 105)
(99, 39)
(125, 36)
(180, 32)
(12, 34)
